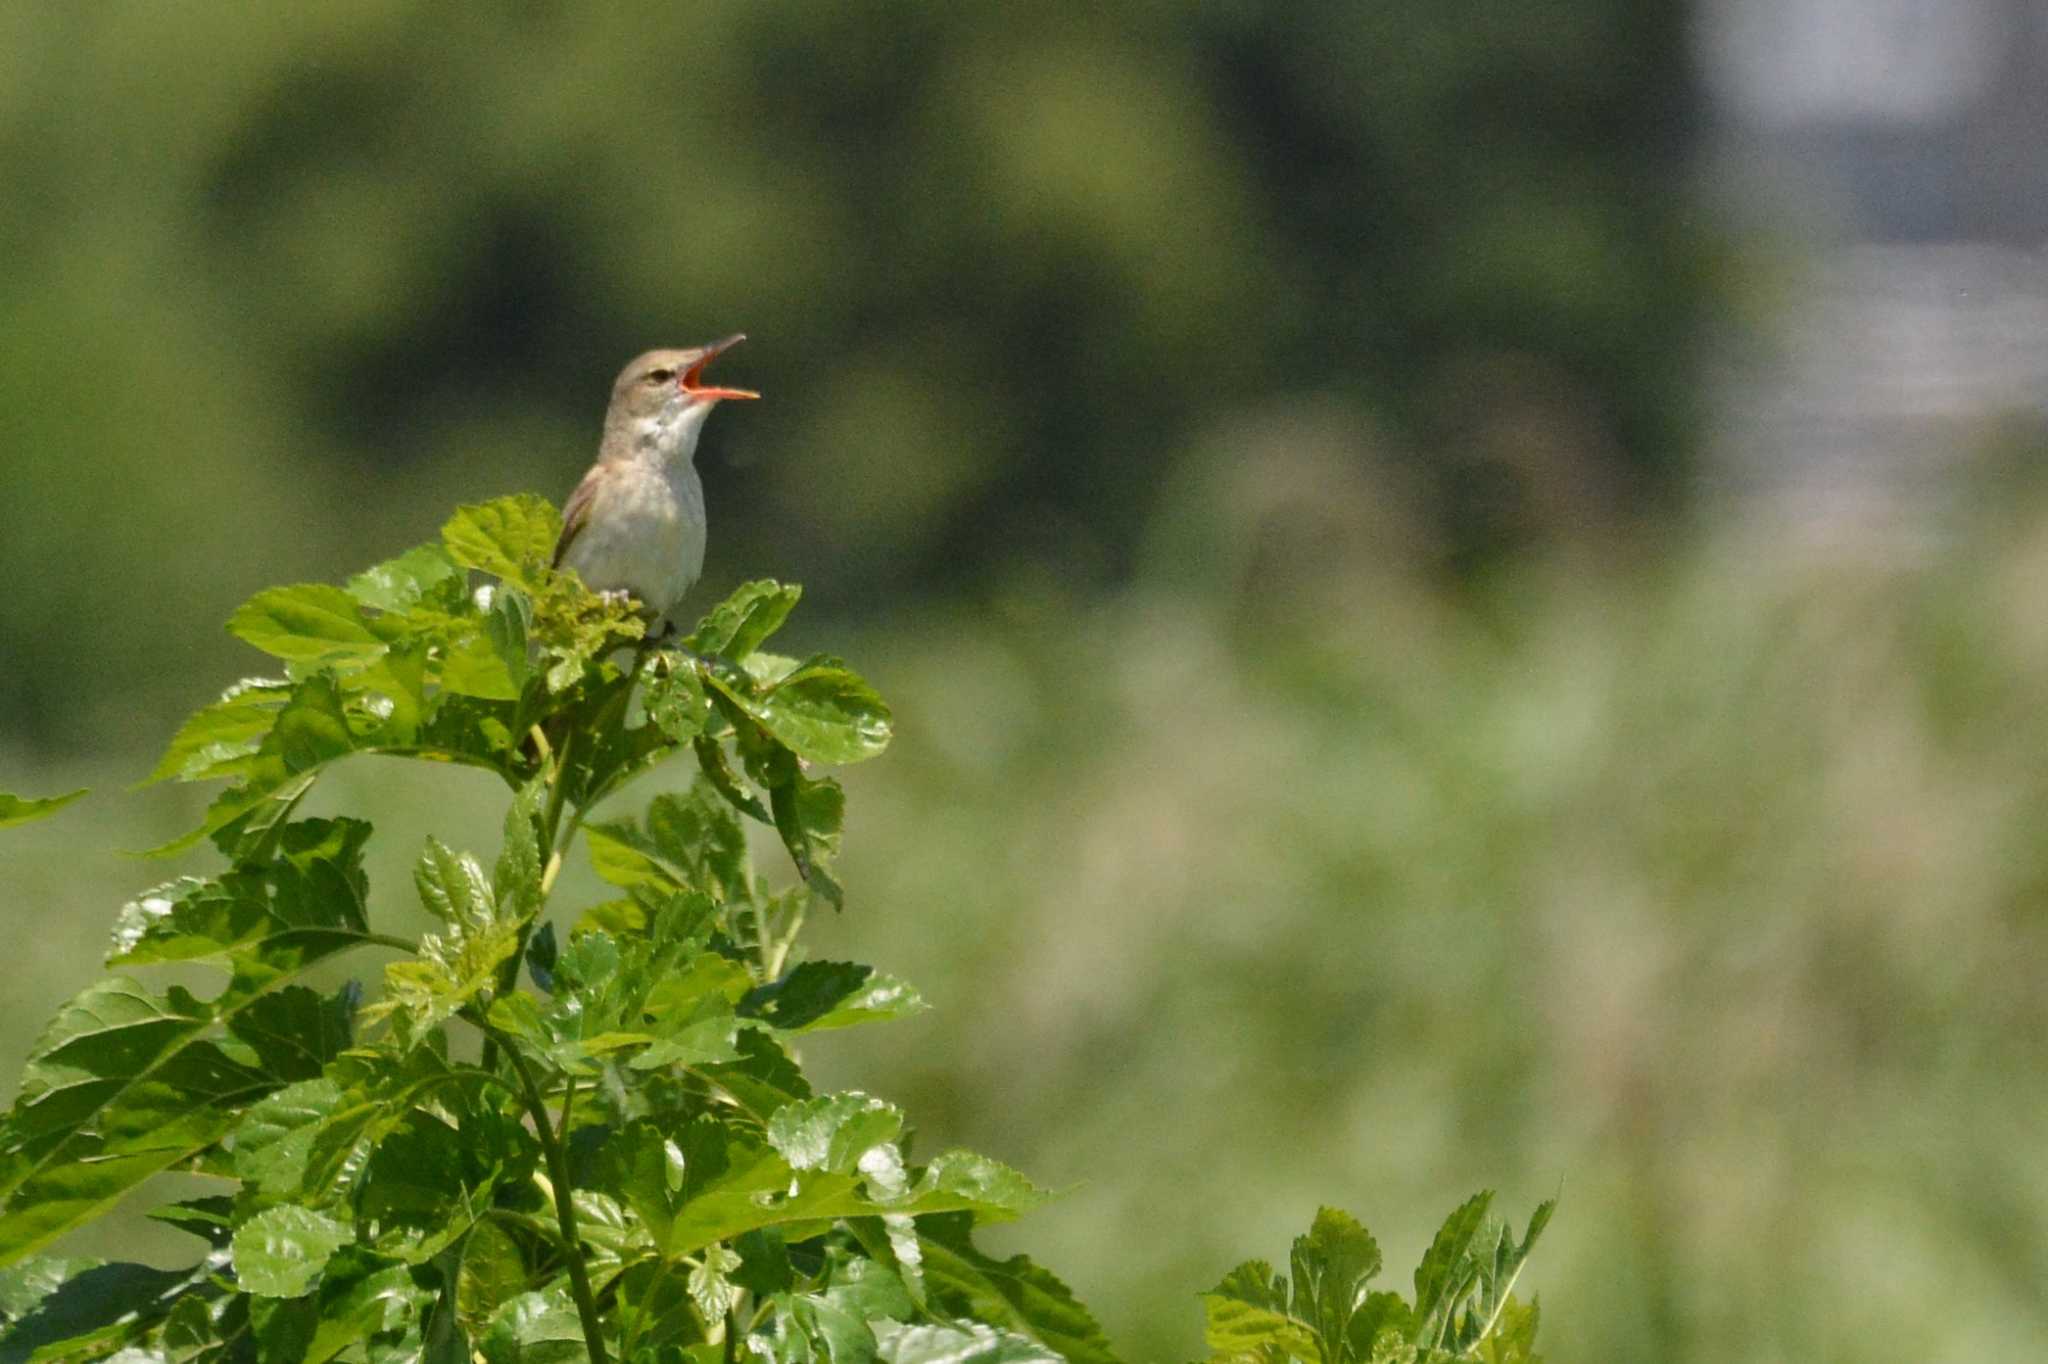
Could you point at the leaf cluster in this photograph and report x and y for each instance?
(528, 1146)
(1463, 1306)
(524, 1145)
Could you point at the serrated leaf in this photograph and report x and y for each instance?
(1332, 1266)
(1248, 1318)
(1447, 1271)
(307, 902)
(690, 842)
(452, 886)
(536, 1328)
(966, 1343)
(822, 712)
(307, 623)
(20, 810)
(311, 730)
(818, 995)
(300, 1139)
(737, 626)
(1015, 1294)
(421, 574)
(122, 1085)
(361, 1297)
(834, 1131)
(711, 1288)
(216, 740)
(511, 537)
(516, 879)
(280, 1251)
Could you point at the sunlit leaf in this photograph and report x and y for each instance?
(280, 1251)
(18, 810)
(422, 574)
(738, 625)
(536, 1328)
(965, 1343)
(308, 623)
(833, 1132)
(512, 538)
(831, 994)
(823, 712)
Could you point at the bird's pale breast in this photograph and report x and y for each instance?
(644, 533)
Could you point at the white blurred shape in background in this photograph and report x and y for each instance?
(1900, 144)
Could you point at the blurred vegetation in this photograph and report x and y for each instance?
(284, 286)
(1134, 372)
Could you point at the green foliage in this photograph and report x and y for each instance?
(541, 1146)
(20, 810)
(1463, 1308)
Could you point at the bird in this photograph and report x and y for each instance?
(635, 525)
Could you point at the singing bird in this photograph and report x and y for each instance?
(635, 524)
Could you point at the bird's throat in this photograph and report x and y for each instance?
(668, 438)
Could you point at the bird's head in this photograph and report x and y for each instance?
(660, 400)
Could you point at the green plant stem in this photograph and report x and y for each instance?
(565, 1211)
(551, 820)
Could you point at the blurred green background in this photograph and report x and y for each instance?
(1344, 755)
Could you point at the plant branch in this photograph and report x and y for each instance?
(565, 1211)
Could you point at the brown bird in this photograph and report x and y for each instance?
(635, 524)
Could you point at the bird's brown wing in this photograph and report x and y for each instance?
(576, 513)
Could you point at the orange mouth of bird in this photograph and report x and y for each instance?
(691, 379)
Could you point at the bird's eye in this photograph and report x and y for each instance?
(660, 376)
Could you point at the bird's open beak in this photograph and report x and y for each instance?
(688, 380)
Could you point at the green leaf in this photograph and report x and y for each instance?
(831, 994)
(306, 904)
(217, 740)
(737, 626)
(822, 712)
(511, 537)
(809, 815)
(690, 842)
(1332, 1265)
(421, 575)
(452, 886)
(361, 1297)
(308, 623)
(1015, 1294)
(1448, 1272)
(295, 1031)
(676, 702)
(280, 1251)
(310, 731)
(93, 1311)
(515, 881)
(121, 1086)
(274, 1141)
(965, 1343)
(491, 1273)
(18, 810)
(711, 1289)
(25, 1285)
(1248, 1318)
(454, 967)
(536, 1328)
(833, 1132)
